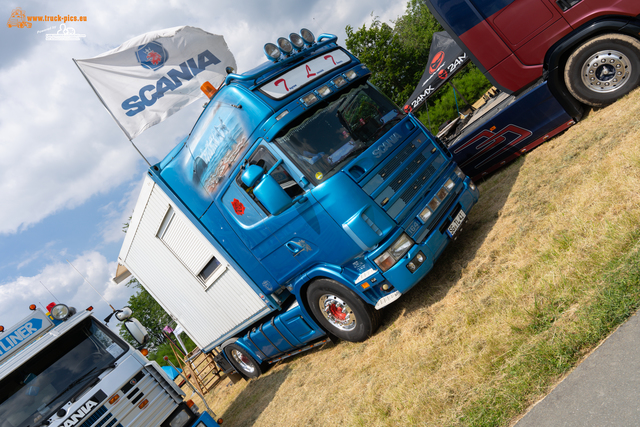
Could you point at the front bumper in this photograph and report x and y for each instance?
(431, 244)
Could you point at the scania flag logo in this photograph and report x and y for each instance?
(152, 55)
(436, 62)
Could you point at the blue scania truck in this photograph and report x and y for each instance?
(301, 203)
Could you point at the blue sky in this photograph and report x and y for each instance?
(69, 178)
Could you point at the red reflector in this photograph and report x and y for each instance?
(32, 307)
(1, 328)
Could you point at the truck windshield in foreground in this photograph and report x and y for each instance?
(32, 393)
(321, 141)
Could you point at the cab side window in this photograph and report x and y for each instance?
(263, 158)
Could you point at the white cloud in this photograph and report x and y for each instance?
(69, 287)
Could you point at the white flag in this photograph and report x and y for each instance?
(152, 76)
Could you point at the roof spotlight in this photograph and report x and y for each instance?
(307, 36)
(285, 46)
(272, 51)
(296, 40)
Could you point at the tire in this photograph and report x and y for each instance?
(243, 361)
(603, 69)
(341, 312)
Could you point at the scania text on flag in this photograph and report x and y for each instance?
(152, 76)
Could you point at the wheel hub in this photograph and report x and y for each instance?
(606, 71)
(243, 360)
(337, 312)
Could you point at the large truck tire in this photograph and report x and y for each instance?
(603, 69)
(341, 312)
(243, 361)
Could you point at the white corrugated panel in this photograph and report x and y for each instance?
(205, 314)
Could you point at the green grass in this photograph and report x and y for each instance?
(547, 266)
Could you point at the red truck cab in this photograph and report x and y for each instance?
(589, 47)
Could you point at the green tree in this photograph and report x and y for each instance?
(149, 313)
(397, 57)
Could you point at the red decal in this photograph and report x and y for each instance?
(329, 56)
(442, 74)
(154, 57)
(277, 83)
(309, 73)
(407, 109)
(238, 206)
(437, 61)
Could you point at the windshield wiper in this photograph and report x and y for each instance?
(76, 394)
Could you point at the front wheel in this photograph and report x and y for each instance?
(242, 361)
(341, 311)
(603, 69)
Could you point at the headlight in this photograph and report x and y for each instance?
(395, 252)
(180, 419)
(449, 185)
(285, 45)
(307, 36)
(272, 51)
(296, 40)
(459, 172)
(60, 312)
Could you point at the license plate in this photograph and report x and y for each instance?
(456, 223)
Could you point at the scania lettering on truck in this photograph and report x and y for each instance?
(549, 58)
(67, 368)
(301, 203)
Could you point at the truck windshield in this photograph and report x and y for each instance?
(321, 141)
(39, 387)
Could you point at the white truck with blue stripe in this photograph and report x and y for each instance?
(69, 369)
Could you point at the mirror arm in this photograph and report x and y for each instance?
(278, 163)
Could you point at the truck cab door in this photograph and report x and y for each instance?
(527, 27)
(284, 242)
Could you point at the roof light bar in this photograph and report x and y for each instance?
(272, 51)
(285, 46)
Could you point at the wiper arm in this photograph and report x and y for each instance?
(76, 394)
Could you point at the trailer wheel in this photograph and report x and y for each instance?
(243, 361)
(603, 69)
(341, 311)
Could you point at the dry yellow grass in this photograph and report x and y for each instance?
(530, 257)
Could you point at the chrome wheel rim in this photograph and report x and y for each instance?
(606, 71)
(243, 361)
(337, 312)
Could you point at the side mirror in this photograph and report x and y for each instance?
(137, 331)
(266, 188)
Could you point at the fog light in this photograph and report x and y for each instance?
(472, 186)
(411, 266)
(416, 262)
(420, 257)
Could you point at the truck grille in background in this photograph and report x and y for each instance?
(148, 384)
(410, 173)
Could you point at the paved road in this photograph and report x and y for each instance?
(604, 390)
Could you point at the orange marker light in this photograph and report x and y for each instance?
(1, 328)
(365, 285)
(32, 307)
(143, 404)
(114, 399)
(144, 352)
(90, 308)
(189, 403)
(208, 89)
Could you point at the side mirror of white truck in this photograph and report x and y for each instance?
(137, 331)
